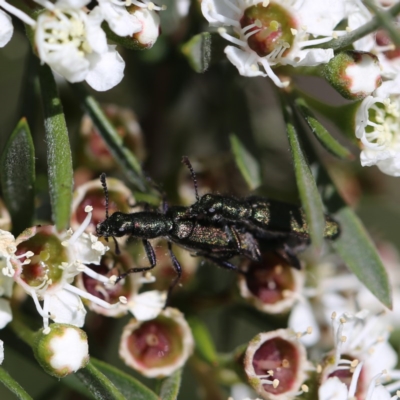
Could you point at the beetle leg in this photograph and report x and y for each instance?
(222, 263)
(287, 253)
(233, 236)
(151, 257)
(178, 270)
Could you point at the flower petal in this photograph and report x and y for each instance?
(5, 313)
(106, 71)
(119, 20)
(243, 61)
(67, 308)
(6, 28)
(148, 305)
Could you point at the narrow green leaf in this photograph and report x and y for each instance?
(18, 176)
(247, 164)
(169, 388)
(322, 135)
(126, 384)
(59, 160)
(98, 384)
(204, 49)
(310, 198)
(198, 51)
(354, 245)
(204, 344)
(357, 250)
(13, 385)
(126, 159)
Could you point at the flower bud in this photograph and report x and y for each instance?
(61, 349)
(354, 74)
(150, 22)
(275, 364)
(94, 152)
(159, 347)
(270, 285)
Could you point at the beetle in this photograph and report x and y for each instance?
(275, 224)
(201, 236)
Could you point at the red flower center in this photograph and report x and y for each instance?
(282, 359)
(273, 28)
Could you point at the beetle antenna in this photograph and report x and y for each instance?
(186, 161)
(104, 184)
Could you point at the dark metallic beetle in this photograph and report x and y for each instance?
(276, 225)
(202, 237)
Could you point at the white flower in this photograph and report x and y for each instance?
(6, 28)
(73, 44)
(378, 42)
(140, 18)
(7, 251)
(361, 346)
(378, 128)
(1, 352)
(334, 389)
(61, 300)
(271, 33)
(149, 26)
(120, 21)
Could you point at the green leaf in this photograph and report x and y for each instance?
(357, 250)
(204, 344)
(203, 49)
(126, 384)
(354, 245)
(198, 51)
(247, 164)
(59, 159)
(13, 385)
(126, 159)
(169, 387)
(310, 198)
(98, 384)
(18, 177)
(322, 135)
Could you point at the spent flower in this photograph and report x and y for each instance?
(159, 347)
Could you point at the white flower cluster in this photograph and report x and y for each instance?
(378, 123)
(337, 344)
(70, 39)
(270, 33)
(61, 300)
